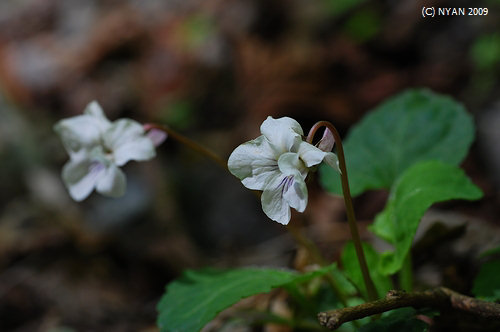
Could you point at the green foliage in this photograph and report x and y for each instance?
(196, 30)
(485, 52)
(403, 319)
(491, 252)
(363, 25)
(416, 190)
(411, 144)
(487, 282)
(414, 126)
(353, 271)
(345, 284)
(339, 7)
(194, 299)
(179, 114)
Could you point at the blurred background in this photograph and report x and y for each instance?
(213, 70)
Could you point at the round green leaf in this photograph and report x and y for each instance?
(414, 126)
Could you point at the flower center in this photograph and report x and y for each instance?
(109, 155)
(102, 154)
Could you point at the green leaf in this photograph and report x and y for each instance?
(198, 296)
(347, 286)
(351, 267)
(414, 126)
(196, 30)
(180, 114)
(363, 25)
(485, 52)
(403, 319)
(418, 188)
(490, 252)
(339, 7)
(487, 282)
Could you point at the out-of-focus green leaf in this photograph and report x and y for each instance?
(196, 30)
(363, 25)
(487, 282)
(353, 271)
(345, 284)
(485, 52)
(179, 114)
(339, 7)
(414, 126)
(416, 190)
(193, 300)
(490, 252)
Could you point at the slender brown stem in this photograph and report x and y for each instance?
(370, 286)
(189, 143)
(440, 298)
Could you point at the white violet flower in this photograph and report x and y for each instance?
(277, 162)
(97, 148)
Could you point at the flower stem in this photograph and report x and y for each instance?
(370, 286)
(189, 143)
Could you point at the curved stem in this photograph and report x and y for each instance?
(370, 286)
(189, 143)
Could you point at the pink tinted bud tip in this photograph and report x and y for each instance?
(327, 141)
(148, 126)
(157, 136)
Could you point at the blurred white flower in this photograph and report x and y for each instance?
(97, 148)
(277, 162)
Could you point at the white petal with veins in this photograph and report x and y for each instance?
(277, 162)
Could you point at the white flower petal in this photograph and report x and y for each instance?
(80, 177)
(284, 134)
(273, 204)
(310, 154)
(83, 131)
(95, 111)
(290, 164)
(295, 193)
(326, 142)
(77, 133)
(140, 149)
(254, 163)
(113, 182)
(122, 131)
(126, 139)
(332, 160)
(294, 190)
